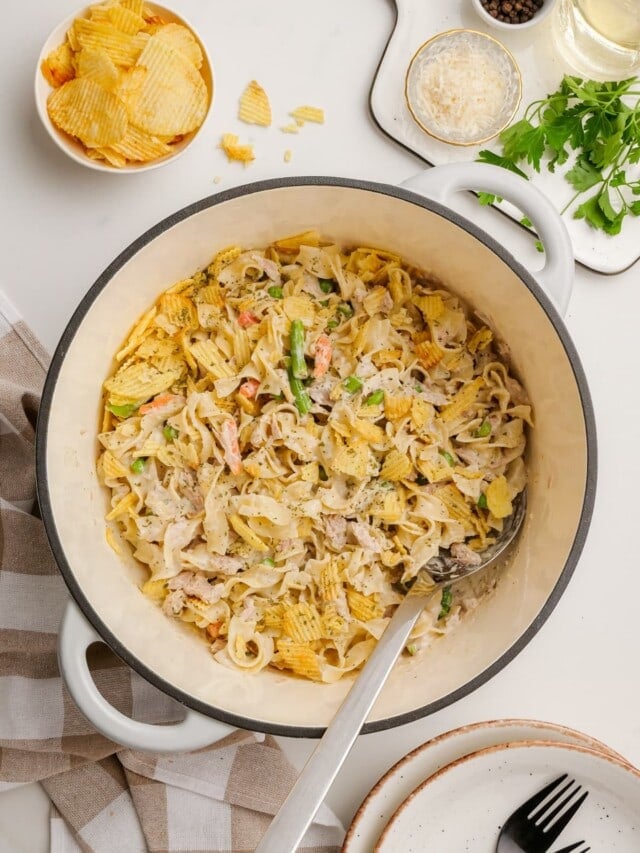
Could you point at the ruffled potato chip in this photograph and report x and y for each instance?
(362, 607)
(139, 381)
(302, 622)
(181, 39)
(58, 67)
(305, 113)
(397, 466)
(95, 64)
(85, 110)
(172, 98)
(254, 105)
(234, 151)
(123, 49)
(499, 498)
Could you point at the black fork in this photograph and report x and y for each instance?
(537, 823)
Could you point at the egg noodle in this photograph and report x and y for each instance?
(290, 434)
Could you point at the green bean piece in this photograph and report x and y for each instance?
(169, 432)
(482, 501)
(411, 649)
(448, 458)
(375, 399)
(123, 411)
(445, 602)
(275, 291)
(326, 285)
(352, 384)
(298, 365)
(300, 396)
(137, 466)
(483, 430)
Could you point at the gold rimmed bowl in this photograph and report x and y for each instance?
(463, 87)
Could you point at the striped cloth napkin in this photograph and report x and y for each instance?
(104, 798)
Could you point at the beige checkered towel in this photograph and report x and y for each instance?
(104, 798)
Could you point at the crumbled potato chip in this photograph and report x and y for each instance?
(299, 308)
(306, 113)
(178, 309)
(58, 67)
(302, 622)
(461, 401)
(429, 353)
(293, 243)
(87, 111)
(112, 469)
(480, 340)
(330, 584)
(396, 407)
(207, 354)
(299, 658)
(254, 105)
(290, 128)
(397, 466)
(234, 151)
(499, 498)
(352, 459)
(362, 607)
(431, 306)
(139, 382)
(287, 156)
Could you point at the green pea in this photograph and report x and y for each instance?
(137, 466)
(352, 384)
(275, 291)
(374, 399)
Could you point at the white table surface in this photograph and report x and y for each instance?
(62, 224)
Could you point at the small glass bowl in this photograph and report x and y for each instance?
(459, 41)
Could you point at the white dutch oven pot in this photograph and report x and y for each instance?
(413, 221)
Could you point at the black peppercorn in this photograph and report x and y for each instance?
(512, 11)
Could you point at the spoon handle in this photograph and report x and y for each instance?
(298, 810)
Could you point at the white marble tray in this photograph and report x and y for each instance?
(541, 68)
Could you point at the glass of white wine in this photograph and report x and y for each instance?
(599, 39)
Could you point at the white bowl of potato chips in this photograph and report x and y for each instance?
(123, 86)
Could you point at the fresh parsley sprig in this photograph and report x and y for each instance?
(592, 119)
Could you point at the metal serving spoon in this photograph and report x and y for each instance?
(298, 810)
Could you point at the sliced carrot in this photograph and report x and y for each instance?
(247, 318)
(213, 630)
(249, 388)
(322, 356)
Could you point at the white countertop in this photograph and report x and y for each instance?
(62, 224)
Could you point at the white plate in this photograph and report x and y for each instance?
(462, 806)
(541, 69)
(405, 776)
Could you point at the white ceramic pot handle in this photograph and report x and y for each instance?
(193, 732)
(441, 182)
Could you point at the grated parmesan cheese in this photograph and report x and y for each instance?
(464, 88)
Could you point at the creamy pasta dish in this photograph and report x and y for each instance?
(291, 434)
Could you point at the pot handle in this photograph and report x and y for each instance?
(193, 732)
(441, 182)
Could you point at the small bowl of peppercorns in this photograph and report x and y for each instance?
(513, 14)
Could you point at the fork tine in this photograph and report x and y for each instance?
(526, 808)
(540, 813)
(574, 847)
(545, 817)
(554, 831)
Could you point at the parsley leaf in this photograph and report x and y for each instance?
(600, 121)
